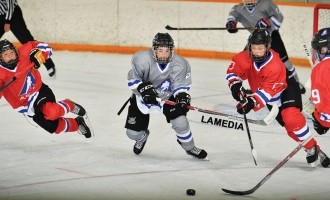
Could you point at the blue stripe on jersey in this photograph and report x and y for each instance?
(183, 89)
(258, 66)
(231, 76)
(133, 82)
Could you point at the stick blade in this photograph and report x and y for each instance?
(168, 27)
(272, 115)
(254, 155)
(247, 192)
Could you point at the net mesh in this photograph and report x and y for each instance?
(321, 17)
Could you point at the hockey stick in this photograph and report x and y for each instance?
(264, 122)
(308, 106)
(168, 27)
(123, 107)
(309, 58)
(277, 167)
(253, 150)
(5, 85)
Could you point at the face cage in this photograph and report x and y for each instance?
(250, 4)
(257, 58)
(163, 61)
(317, 56)
(12, 63)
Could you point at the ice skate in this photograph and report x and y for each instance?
(139, 145)
(324, 159)
(197, 153)
(312, 155)
(83, 128)
(78, 109)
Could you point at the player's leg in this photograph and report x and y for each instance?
(181, 127)
(137, 126)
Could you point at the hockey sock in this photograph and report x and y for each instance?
(66, 125)
(296, 126)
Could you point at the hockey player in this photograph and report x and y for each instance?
(320, 90)
(11, 19)
(28, 95)
(271, 85)
(263, 14)
(159, 72)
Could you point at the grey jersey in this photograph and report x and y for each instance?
(169, 80)
(264, 8)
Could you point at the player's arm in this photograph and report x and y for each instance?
(39, 53)
(275, 16)
(231, 23)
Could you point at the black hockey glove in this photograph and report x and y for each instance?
(263, 23)
(50, 66)
(182, 101)
(236, 89)
(37, 58)
(148, 93)
(246, 105)
(318, 127)
(231, 27)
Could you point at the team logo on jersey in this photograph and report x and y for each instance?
(30, 81)
(164, 87)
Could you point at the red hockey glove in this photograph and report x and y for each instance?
(231, 27)
(37, 58)
(263, 23)
(246, 105)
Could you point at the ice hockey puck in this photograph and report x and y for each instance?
(191, 192)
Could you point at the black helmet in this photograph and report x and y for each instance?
(259, 36)
(163, 40)
(321, 39)
(4, 46)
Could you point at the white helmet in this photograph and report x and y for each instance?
(250, 4)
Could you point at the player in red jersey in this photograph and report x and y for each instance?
(320, 88)
(271, 85)
(27, 94)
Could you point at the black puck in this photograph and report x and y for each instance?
(191, 192)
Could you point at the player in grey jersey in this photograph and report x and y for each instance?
(160, 73)
(262, 14)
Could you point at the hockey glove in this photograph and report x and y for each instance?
(236, 89)
(318, 127)
(231, 27)
(148, 93)
(263, 23)
(246, 105)
(50, 66)
(182, 101)
(37, 58)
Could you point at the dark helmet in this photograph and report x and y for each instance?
(259, 36)
(163, 40)
(321, 39)
(4, 46)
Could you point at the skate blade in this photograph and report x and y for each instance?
(89, 124)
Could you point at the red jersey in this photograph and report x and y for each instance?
(320, 91)
(21, 93)
(267, 80)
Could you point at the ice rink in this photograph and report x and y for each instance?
(37, 165)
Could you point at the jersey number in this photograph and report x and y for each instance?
(315, 96)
